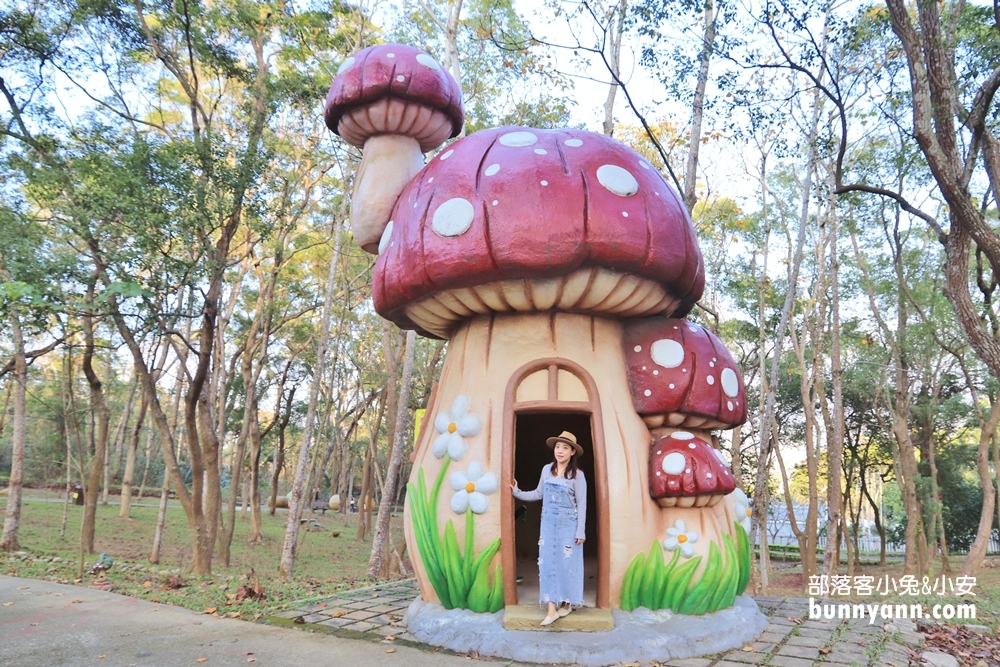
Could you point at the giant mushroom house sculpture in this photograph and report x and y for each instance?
(555, 262)
(396, 103)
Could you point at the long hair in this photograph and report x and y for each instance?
(570, 467)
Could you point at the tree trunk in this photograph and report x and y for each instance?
(100, 433)
(133, 448)
(698, 108)
(161, 520)
(977, 552)
(614, 64)
(763, 460)
(290, 547)
(835, 445)
(376, 564)
(15, 487)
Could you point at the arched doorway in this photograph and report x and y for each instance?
(543, 398)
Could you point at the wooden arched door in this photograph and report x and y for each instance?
(553, 385)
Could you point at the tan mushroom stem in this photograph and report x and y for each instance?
(388, 163)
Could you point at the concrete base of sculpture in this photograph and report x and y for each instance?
(639, 635)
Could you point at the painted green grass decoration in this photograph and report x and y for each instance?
(460, 578)
(655, 584)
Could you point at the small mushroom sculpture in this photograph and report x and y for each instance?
(396, 102)
(681, 375)
(686, 471)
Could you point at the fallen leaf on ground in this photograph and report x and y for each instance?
(630, 664)
(102, 656)
(390, 650)
(749, 649)
(299, 619)
(23, 588)
(7, 604)
(210, 610)
(202, 660)
(233, 614)
(251, 659)
(391, 638)
(824, 651)
(338, 613)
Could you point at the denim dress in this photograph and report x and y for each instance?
(560, 558)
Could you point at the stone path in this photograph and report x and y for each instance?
(791, 639)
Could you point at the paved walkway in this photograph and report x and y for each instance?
(43, 624)
(791, 639)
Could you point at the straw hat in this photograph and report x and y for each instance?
(568, 438)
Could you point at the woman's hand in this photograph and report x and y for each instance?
(580, 540)
(513, 487)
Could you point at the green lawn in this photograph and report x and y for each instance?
(325, 563)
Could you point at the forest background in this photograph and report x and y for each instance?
(183, 311)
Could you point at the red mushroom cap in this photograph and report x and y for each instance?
(509, 204)
(682, 375)
(394, 89)
(686, 471)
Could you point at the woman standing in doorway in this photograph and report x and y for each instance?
(562, 489)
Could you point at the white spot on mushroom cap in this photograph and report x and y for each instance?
(682, 435)
(518, 139)
(390, 55)
(624, 214)
(730, 383)
(655, 372)
(673, 463)
(710, 379)
(453, 218)
(617, 180)
(544, 183)
(430, 180)
(719, 455)
(428, 62)
(644, 164)
(492, 169)
(729, 405)
(648, 393)
(346, 65)
(671, 385)
(447, 154)
(541, 151)
(401, 78)
(638, 348)
(495, 202)
(383, 242)
(667, 353)
(691, 445)
(575, 143)
(709, 475)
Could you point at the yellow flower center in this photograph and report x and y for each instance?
(470, 487)
(452, 427)
(682, 538)
(748, 512)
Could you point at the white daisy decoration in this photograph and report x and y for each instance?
(742, 509)
(679, 537)
(455, 426)
(471, 488)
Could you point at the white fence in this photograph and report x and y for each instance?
(872, 544)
